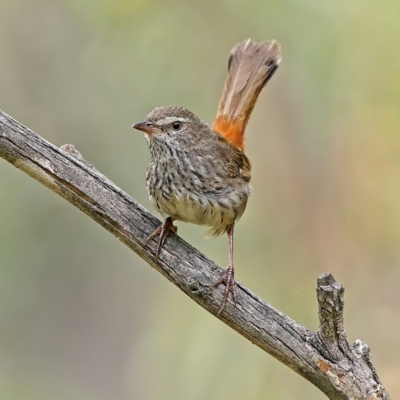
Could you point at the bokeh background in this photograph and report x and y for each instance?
(81, 316)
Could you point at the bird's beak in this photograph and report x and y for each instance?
(147, 127)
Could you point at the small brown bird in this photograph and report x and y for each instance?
(201, 175)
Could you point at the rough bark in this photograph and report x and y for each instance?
(325, 358)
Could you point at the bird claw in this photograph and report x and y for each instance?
(163, 230)
(230, 287)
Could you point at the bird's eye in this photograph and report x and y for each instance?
(177, 125)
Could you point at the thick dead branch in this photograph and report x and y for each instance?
(325, 358)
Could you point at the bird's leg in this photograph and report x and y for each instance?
(228, 277)
(162, 230)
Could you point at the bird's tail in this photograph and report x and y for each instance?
(251, 65)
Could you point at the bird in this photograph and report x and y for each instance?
(200, 174)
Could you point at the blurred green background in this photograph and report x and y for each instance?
(81, 316)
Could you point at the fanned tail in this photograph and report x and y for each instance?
(251, 65)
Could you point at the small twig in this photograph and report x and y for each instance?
(324, 357)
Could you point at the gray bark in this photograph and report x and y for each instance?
(325, 358)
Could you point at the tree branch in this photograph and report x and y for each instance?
(324, 358)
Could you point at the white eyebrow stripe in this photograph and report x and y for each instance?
(169, 120)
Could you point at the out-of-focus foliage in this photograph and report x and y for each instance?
(82, 317)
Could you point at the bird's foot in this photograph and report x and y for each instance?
(229, 280)
(162, 231)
